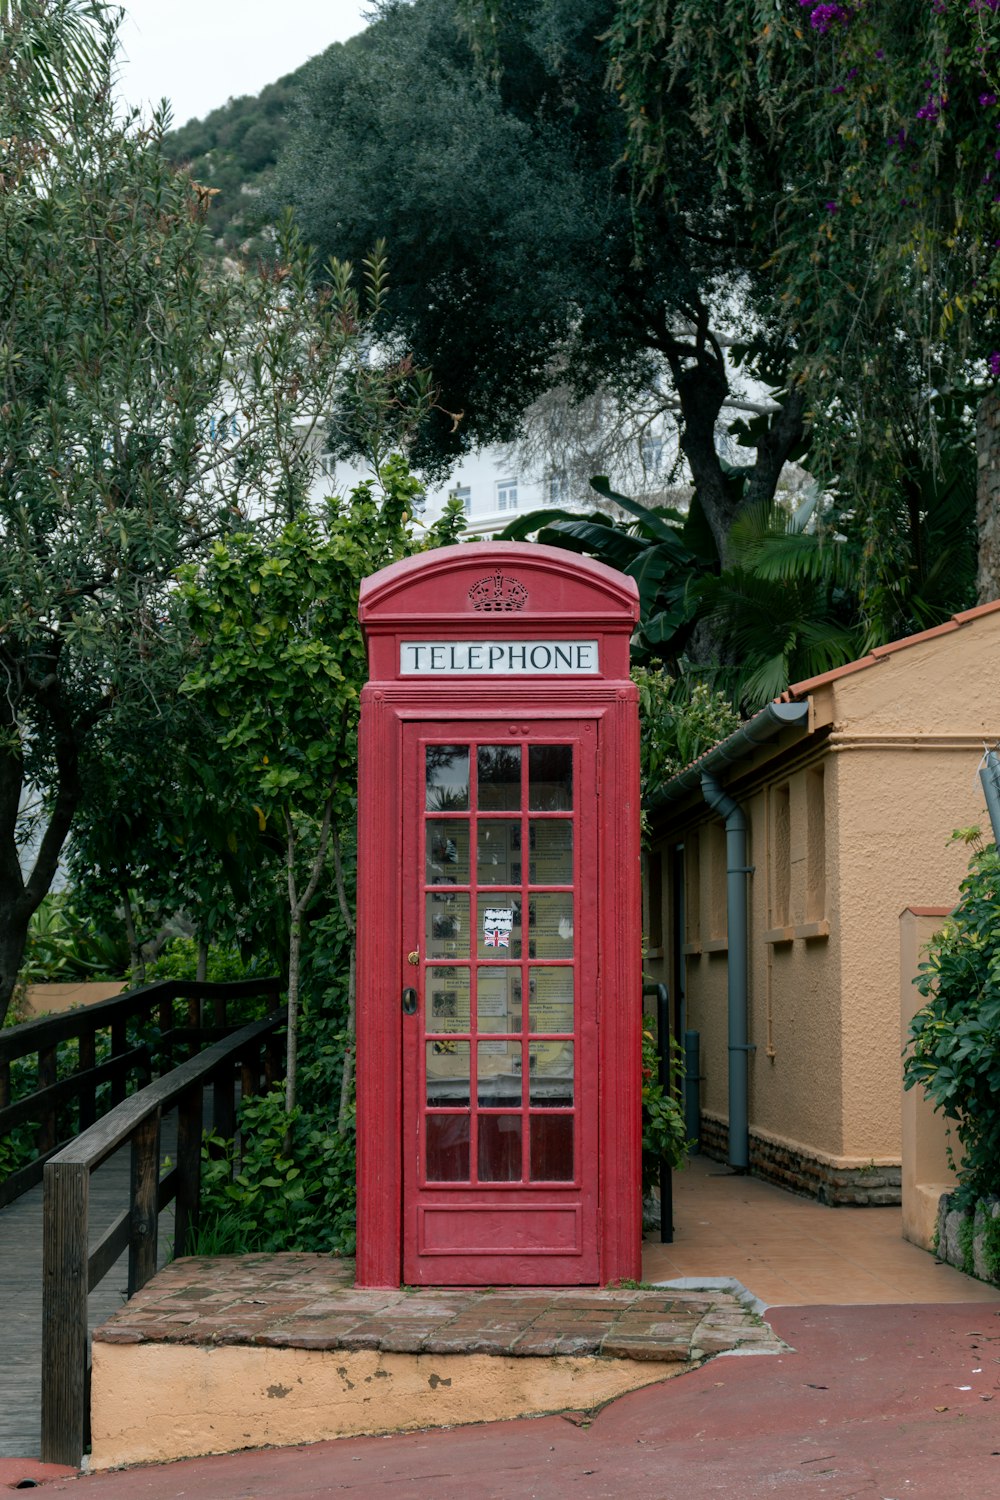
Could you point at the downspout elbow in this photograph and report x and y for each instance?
(720, 801)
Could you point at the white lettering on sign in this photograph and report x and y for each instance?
(498, 658)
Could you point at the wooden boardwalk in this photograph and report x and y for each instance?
(21, 1280)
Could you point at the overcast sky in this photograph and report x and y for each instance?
(199, 53)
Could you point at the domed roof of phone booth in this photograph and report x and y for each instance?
(503, 583)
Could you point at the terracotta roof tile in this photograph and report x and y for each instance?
(878, 653)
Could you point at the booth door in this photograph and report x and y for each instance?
(499, 965)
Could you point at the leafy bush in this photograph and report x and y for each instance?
(264, 1199)
(954, 1046)
(679, 720)
(64, 946)
(663, 1136)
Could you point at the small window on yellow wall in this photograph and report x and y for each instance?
(717, 913)
(692, 888)
(781, 856)
(815, 846)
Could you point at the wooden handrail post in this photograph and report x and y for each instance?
(88, 1095)
(189, 1113)
(47, 1076)
(195, 1022)
(119, 1041)
(250, 1072)
(224, 1102)
(64, 1312)
(272, 1063)
(144, 1212)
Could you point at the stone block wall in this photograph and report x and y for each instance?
(970, 1239)
(798, 1172)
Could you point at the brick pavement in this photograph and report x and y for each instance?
(299, 1301)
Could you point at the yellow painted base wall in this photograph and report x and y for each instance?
(54, 999)
(155, 1402)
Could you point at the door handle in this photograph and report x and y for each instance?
(409, 1000)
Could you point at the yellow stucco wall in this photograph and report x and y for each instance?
(897, 745)
(152, 1403)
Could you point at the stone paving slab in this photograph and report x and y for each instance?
(301, 1301)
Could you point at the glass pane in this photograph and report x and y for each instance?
(551, 1068)
(499, 934)
(550, 925)
(447, 1074)
(448, 1000)
(500, 1148)
(448, 851)
(551, 1000)
(551, 861)
(447, 927)
(447, 1148)
(550, 778)
(498, 999)
(551, 1148)
(499, 1074)
(447, 778)
(498, 852)
(499, 778)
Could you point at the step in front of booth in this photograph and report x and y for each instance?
(222, 1353)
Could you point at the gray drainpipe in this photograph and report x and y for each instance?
(738, 874)
(772, 720)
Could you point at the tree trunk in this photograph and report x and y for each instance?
(292, 1048)
(297, 908)
(347, 1076)
(988, 499)
(13, 937)
(21, 897)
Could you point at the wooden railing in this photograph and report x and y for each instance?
(70, 1270)
(206, 1007)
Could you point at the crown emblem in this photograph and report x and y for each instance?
(497, 592)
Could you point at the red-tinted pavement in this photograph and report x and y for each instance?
(901, 1403)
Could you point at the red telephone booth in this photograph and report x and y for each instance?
(499, 961)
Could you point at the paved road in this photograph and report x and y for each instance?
(893, 1403)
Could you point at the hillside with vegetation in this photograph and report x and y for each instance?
(231, 151)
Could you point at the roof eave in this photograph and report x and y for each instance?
(772, 720)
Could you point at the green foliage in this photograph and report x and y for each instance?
(990, 1228)
(663, 1136)
(269, 1197)
(151, 406)
(65, 946)
(678, 721)
(530, 264)
(179, 960)
(228, 151)
(860, 140)
(954, 1049)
